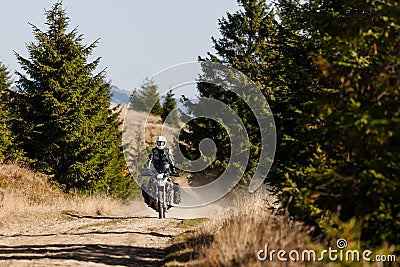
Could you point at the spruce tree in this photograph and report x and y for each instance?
(248, 37)
(147, 98)
(168, 109)
(359, 64)
(330, 72)
(340, 155)
(68, 129)
(5, 131)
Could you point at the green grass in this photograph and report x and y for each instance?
(191, 222)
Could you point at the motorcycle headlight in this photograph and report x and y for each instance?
(161, 182)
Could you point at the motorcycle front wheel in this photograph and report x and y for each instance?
(161, 208)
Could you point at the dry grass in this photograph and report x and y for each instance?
(27, 197)
(235, 238)
(148, 124)
(140, 131)
(248, 226)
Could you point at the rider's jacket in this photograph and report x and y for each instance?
(161, 155)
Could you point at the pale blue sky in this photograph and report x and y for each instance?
(137, 38)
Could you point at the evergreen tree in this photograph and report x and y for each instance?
(329, 71)
(5, 131)
(296, 93)
(168, 109)
(357, 162)
(68, 129)
(342, 149)
(247, 42)
(146, 98)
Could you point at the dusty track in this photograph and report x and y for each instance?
(90, 241)
(79, 240)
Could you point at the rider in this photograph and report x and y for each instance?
(161, 156)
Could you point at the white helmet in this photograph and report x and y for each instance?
(161, 142)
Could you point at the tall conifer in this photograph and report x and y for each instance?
(68, 128)
(168, 109)
(146, 98)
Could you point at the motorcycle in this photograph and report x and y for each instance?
(160, 193)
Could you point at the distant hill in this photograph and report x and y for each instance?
(120, 96)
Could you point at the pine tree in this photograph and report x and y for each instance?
(146, 98)
(359, 63)
(5, 131)
(168, 109)
(247, 43)
(68, 129)
(330, 72)
(296, 94)
(346, 138)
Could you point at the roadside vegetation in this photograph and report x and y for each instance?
(234, 239)
(28, 198)
(252, 223)
(330, 71)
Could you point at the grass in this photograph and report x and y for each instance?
(27, 197)
(235, 237)
(188, 223)
(247, 226)
(140, 132)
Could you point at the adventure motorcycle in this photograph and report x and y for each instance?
(160, 193)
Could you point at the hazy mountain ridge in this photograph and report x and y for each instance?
(119, 96)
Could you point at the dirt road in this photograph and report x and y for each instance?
(79, 240)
